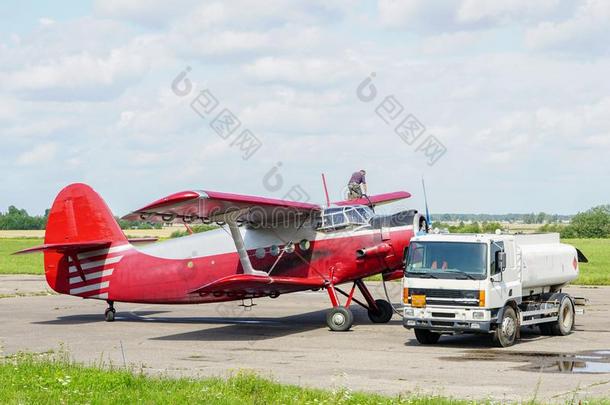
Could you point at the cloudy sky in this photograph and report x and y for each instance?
(509, 101)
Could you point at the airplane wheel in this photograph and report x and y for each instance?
(109, 314)
(384, 313)
(339, 319)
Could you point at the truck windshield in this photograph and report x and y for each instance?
(447, 260)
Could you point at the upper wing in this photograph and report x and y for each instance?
(378, 199)
(214, 206)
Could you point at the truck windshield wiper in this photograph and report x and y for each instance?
(422, 274)
(461, 272)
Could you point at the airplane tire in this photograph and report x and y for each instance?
(384, 313)
(339, 319)
(426, 337)
(109, 315)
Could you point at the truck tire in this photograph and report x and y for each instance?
(564, 325)
(545, 329)
(506, 332)
(426, 337)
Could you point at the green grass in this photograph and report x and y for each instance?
(21, 264)
(48, 378)
(597, 271)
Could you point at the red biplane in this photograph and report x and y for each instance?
(263, 247)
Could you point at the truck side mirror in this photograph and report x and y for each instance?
(500, 262)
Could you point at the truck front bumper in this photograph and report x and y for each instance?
(448, 326)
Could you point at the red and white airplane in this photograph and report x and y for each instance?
(263, 247)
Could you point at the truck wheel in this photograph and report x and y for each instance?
(564, 325)
(339, 319)
(545, 329)
(506, 332)
(384, 313)
(426, 337)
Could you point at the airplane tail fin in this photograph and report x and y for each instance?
(80, 233)
(80, 215)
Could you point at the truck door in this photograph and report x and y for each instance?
(506, 285)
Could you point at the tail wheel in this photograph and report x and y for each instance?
(566, 316)
(426, 337)
(109, 314)
(339, 319)
(383, 314)
(506, 332)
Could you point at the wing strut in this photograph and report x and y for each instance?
(231, 220)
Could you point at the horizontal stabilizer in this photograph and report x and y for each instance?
(71, 247)
(259, 284)
(142, 240)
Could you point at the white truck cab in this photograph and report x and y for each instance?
(488, 283)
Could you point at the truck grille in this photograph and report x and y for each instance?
(441, 323)
(435, 296)
(442, 315)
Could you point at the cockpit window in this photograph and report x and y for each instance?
(341, 217)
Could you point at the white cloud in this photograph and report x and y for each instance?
(289, 70)
(451, 15)
(299, 71)
(81, 76)
(585, 32)
(46, 21)
(192, 15)
(41, 153)
(471, 11)
(450, 43)
(145, 12)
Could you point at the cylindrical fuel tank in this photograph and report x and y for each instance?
(547, 264)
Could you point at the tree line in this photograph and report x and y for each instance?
(531, 218)
(19, 219)
(593, 223)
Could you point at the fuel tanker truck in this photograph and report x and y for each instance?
(488, 284)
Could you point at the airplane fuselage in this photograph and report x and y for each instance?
(173, 271)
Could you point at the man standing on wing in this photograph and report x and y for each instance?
(357, 185)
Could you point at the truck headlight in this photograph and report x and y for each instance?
(478, 315)
(409, 312)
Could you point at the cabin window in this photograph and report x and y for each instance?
(260, 253)
(304, 245)
(495, 248)
(342, 217)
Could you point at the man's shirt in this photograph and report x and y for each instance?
(358, 178)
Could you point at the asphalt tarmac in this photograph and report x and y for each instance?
(286, 339)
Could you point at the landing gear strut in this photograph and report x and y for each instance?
(109, 313)
(340, 318)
